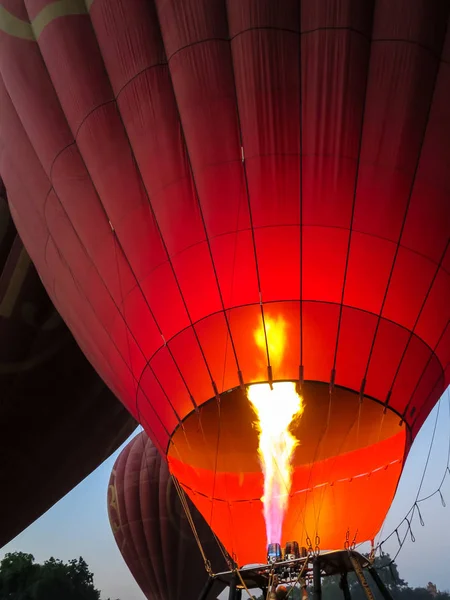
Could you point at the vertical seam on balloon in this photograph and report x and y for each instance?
(78, 286)
(78, 237)
(138, 282)
(118, 468)
(356, 420)
(166, 568)
(232, 287)
(154, 489)
(119, 279)
(50, 236)
(249, 206)
(138, 382)
(240, 375)
(412, 331)
(208, 241)
(301, 246)
(405, 216)
(134, 531)
(300, 93)
(138, 172)
(247, 189)
(166, 345)
(142, 563)
(48, 232)
(106, 216)
(355, 190)
(117, 308)
(113, 100)
(175, 277)
(215, 463)
(63, 260)
(332, 375)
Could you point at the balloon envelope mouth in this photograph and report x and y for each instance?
(345, 469)
(224, 438)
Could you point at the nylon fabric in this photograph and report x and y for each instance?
(186, 174)
(151, 528)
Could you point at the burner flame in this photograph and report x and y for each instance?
(276, 409)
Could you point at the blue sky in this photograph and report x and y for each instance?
(78, 525)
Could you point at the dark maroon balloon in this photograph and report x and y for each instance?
(48, 389)
(152, 530)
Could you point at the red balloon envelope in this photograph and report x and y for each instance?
(188, 176)
(151, 528)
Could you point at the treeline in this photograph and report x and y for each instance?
(21, 578)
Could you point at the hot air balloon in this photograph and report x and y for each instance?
(151, 529)
(220, 194)
(48, 391)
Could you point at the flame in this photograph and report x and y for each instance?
(276, 409)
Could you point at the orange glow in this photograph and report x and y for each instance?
(328, 481)
(276, 408)
(276, 339)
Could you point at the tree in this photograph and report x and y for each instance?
(17, 573)
(22, 579)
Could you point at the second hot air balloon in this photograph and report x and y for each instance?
(151, 527)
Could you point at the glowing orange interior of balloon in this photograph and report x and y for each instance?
(345, 468)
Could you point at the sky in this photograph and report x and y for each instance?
(78, 524)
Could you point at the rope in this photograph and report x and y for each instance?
(225, 554)
(407, 519)
(360, 575)
(187, 511)
(300, 575)
(270, 582)
(244, 584)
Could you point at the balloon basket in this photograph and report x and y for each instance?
(306, 572)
